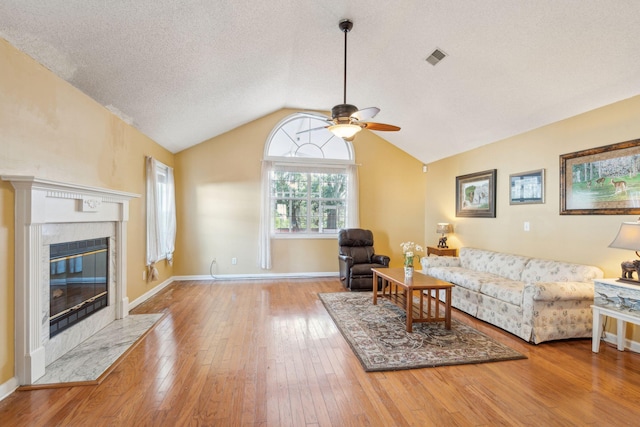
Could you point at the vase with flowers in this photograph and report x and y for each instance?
(410, 251)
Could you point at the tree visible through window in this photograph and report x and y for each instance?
(310, 179)
(309, 183)
(308, 202)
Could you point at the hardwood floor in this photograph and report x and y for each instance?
(266, 353)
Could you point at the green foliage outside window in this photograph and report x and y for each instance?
(308, 202)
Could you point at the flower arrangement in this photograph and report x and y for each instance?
(410, 250)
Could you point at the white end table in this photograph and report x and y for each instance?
(617, 300)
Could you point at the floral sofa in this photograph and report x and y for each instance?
(536, 299)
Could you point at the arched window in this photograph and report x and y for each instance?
(309, 183)
(292, 139)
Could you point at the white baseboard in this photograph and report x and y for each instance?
(628, 344)
(9, 387)
(264, 276)
(142, 298)
(260, 276)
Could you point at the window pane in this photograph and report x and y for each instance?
(293, 139)
(308, 202)
(298, 216)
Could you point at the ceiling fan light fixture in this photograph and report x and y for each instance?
(345, 131)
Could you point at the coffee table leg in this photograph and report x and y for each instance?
(375, 288)
(447, 310)
(409, 310)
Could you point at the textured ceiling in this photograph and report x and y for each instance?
(185, 71)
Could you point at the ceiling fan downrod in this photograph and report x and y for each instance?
(345, 26)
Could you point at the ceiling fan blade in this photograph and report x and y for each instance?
(366, 113)
(318, 116)
(312, 129)
(380, 126)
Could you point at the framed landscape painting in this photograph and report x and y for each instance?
(601, 181)
(476, 194)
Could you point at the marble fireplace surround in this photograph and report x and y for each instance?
(49, 212)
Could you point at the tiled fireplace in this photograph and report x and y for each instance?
(49, 213)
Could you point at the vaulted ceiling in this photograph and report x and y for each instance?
(185, 71)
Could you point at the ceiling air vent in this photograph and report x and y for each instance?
(436, 56)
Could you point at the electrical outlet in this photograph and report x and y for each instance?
(144, 274)
(234, 260)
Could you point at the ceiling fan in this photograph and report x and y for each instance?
(346, 120)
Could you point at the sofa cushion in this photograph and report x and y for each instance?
(506, 290)
(462, 277)
(475, 259)
(507, 265)
(542, 270)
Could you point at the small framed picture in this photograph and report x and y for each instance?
(526, 187)
(476, 194)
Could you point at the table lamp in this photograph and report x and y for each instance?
(443, 228)
(629, 238)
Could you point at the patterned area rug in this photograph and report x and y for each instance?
(377, 334)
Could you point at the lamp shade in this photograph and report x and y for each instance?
(345, 131)
(628, 237)
(444, 228)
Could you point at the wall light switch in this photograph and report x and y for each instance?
(527, 227)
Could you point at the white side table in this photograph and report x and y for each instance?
(617, 300)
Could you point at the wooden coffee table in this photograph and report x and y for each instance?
(399, 289)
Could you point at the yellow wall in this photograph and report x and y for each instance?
(218, 186)
(50, 130)
(575, 238)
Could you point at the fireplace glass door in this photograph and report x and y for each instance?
(78, 281)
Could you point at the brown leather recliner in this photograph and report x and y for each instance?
(357, 257)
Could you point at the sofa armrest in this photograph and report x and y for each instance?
(559, 291)
(439, 261)
(381, 259)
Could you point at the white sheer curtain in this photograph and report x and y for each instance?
(353, 210)
(161, 215)
(264, 238)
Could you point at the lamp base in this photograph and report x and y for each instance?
(442, 243)
(630, 281)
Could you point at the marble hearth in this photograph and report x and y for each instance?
(48, 212)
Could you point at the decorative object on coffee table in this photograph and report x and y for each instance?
(443, 229)
(409, 251)
(377, 336)
(628, 237)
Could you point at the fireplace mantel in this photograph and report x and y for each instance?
(39, 202)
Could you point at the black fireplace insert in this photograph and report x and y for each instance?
(79, 273)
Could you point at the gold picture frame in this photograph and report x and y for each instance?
(601, 181)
